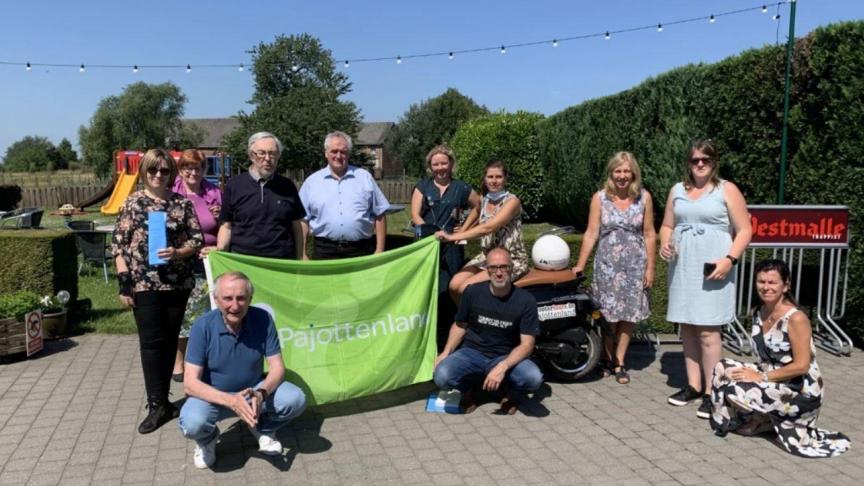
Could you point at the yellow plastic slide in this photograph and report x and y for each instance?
(125, 185)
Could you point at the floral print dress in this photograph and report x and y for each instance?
(792, 406)
(619, 266)
(508, 236)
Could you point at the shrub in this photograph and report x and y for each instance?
(18, 303)
(41, 261)
(510, 137)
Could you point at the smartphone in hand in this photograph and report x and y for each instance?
(708, 269)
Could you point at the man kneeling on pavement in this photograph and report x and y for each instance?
(496, 324)
(223, 373)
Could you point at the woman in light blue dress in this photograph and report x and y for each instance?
(705, 230)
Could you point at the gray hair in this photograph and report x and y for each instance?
(337, 134)
(234, 276)
(261, 136)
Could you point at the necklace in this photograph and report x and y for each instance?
(773, 317)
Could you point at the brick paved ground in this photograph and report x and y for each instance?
(70, 417)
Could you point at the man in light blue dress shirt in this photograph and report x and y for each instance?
(345, 208)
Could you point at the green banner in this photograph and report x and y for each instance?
(352, 327)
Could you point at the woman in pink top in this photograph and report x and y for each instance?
(207, 199)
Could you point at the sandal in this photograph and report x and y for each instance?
(508, 407)
(621, 376)
(605, 369)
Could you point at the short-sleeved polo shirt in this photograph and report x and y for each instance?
(342, 209)
(261, 213)
(232, 362)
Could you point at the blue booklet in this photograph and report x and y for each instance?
(441, 401)
(157, 239)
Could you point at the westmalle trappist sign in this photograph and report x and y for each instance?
(800, 226)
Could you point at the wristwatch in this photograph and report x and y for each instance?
(732, 259)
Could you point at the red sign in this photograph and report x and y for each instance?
(33, 334)
(800, 226)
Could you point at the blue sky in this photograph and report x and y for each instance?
(54, 102)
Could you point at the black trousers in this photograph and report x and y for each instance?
(326, 249)
(158, 316)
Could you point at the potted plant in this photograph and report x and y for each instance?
(12, 309)
(54, 315)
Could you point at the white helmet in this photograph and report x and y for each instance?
(550, 252)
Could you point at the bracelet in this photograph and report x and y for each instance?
(765, 376)
(125, 281)
(732, 259)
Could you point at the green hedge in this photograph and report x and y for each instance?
(737, 102)
(42, 261)
(510, 137)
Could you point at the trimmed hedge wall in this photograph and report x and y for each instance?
(42, 261)
(510, 137)
(737, 102)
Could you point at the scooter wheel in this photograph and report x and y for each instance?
(584, 359)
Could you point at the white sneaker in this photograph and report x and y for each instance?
(267, 444)
(205, 457)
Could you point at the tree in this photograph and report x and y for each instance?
(31, 154)
(297, 98)
(430, 123)
(143, 117)
(67, 155)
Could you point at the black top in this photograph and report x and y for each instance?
(496, 323)
(442, 210)
(261, 215)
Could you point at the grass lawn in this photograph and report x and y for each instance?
(107, 316)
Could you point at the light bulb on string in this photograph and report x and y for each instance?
(81, 69)
(764, 8)
(398, 59)
(777, 17)
(659, 27)
(188, 68)
(135, 68)
(712, 19)
(240, 68)
(503, 50)
(607, 35)
(28, 67)
(450, 56)
(347, 64)
(554, 42)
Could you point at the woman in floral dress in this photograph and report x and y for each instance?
(622, 218)
(783, 391)
(499, 226)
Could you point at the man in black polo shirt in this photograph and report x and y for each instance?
(261, 210)
(496, 324)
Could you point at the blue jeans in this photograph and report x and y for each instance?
(198, 418)
(467, 367)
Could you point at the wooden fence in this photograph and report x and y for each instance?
(51, 198)
(49, 179)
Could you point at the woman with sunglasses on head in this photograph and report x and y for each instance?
(207, 199)
(705, 230)
(156, 293)
(499, 225)
(783, 391)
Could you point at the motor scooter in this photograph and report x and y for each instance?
(569, 345)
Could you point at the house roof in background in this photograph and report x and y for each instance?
(373, 133)
(214, 129)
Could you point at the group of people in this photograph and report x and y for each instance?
(705, 230)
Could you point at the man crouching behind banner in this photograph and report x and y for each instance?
(222, 376)
(498, 323)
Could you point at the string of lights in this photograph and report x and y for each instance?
(450, 54)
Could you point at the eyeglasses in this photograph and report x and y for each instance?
(263, 154)
(704, 160)
(497, 268)
(163, 171)
(192, 169)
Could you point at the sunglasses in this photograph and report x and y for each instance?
(163, 171)
(704, 160)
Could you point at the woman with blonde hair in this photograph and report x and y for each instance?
(621, 219)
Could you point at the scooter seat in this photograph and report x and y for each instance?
(541, 277)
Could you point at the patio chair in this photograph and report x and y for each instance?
(26, 218)
(81, 225)
(94, 249)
